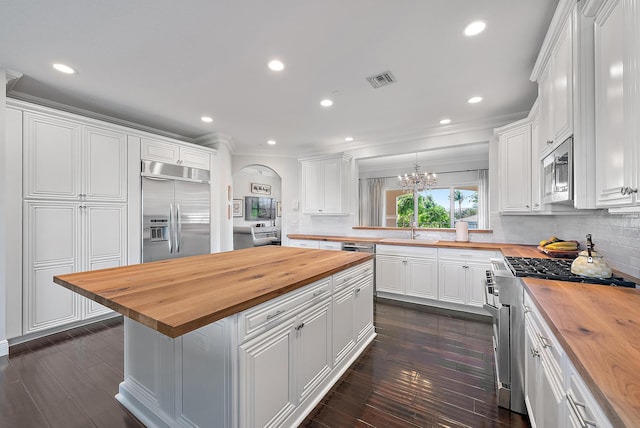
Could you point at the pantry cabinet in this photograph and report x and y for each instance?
(617, 101)
(174, 153)
(64, 237)
(65, 160)
(326, 185)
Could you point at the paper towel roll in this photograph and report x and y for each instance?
(462, 231)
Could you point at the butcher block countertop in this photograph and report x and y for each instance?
(599, 328)
(177, 296)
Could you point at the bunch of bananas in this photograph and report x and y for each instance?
(555, 243)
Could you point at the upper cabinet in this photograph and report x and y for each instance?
(515, 167)
(173, 153)
(325, 185)
(617, 102)
(64, 159)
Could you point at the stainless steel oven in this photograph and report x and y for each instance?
(503, 300)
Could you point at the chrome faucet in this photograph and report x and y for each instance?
(414, 234)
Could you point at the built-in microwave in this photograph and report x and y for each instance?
(557, 174)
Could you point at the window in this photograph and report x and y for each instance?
(437, 208)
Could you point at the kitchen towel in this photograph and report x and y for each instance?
(462, 231)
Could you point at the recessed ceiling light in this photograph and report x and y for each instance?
(348, 139)
(206, 119)
(475, 28)
(64, 68)
(271, 142)
(474, 100)
(326, 103)
(445, 121)
(276, 65)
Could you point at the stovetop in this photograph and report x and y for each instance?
(557, 269)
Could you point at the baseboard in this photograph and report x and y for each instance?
(4, 348)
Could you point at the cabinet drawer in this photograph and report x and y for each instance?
(330, 245)
(271, 313)
(352, 275)
(461, 254)
(398, 250)
(549, 346)
(303, 243)
(581, 405)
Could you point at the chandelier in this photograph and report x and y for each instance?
(416, 181)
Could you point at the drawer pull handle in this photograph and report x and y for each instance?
(527, 309)
(545, 341)
(584, 423)
(346, 279)
(299, 326)
(534, 352)
(319, 293)
(272, 316)
(358, 290)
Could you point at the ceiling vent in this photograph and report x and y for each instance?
(382, 79)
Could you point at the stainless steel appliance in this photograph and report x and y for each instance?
(503, 300)
(363, 248)
(176, 211)
(557, 174)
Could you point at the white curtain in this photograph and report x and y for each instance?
(371, 201)
(483, 199)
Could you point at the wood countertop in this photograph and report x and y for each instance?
(177, 296)
(599, 328)
(334, 238)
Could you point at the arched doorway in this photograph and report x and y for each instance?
(257, 199)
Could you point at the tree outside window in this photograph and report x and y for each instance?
(439, 208)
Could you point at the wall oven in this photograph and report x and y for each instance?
(503, 300)
(557, 174)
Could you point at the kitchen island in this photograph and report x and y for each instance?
(253, 337)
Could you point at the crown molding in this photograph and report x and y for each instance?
(11, 78)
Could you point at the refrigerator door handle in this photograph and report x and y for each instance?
(170, 240)
(178, 228)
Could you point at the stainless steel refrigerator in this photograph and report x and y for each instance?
(176, 211)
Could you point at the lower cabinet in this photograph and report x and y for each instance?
(281, 367)
(461, 282)
(555, 394)
(267, 366)
(65, 237)
(409, 271)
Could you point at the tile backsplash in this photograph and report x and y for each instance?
(616, 237)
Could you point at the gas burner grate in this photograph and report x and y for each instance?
(557, 269)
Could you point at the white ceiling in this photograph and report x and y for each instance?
(165, 63)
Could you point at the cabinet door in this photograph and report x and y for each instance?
(363, 308)
(422, 278)
(159, 151)
(332, 186)
(390, 274)
(312, 187)
(475, 277)
(612, 155)
(515, 168)
(343, 324)
(314, 356)
(532, 376)
(194, 158)
(51, 248)
(51, 157)
(546, 113)
(451, 281)
(536, 166)
(551, 397)
(562, 81)
(267, 390)
(104, 165)
(105, 242)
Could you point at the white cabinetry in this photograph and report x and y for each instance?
(461, 275)
(407, 271)
(325, 185)
(65, 237)
(617, 101)
(74, 212)
(515, 167)
(65, 160)
(555, 394)
(303, 243)
(174, 153)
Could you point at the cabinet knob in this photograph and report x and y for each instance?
(534, 352)
(623, 190)
(536, 205)
(549, 142)
(527, 206)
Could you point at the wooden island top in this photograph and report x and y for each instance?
(177, 296)
(599, 328)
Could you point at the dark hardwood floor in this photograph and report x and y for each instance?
(422, 370)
